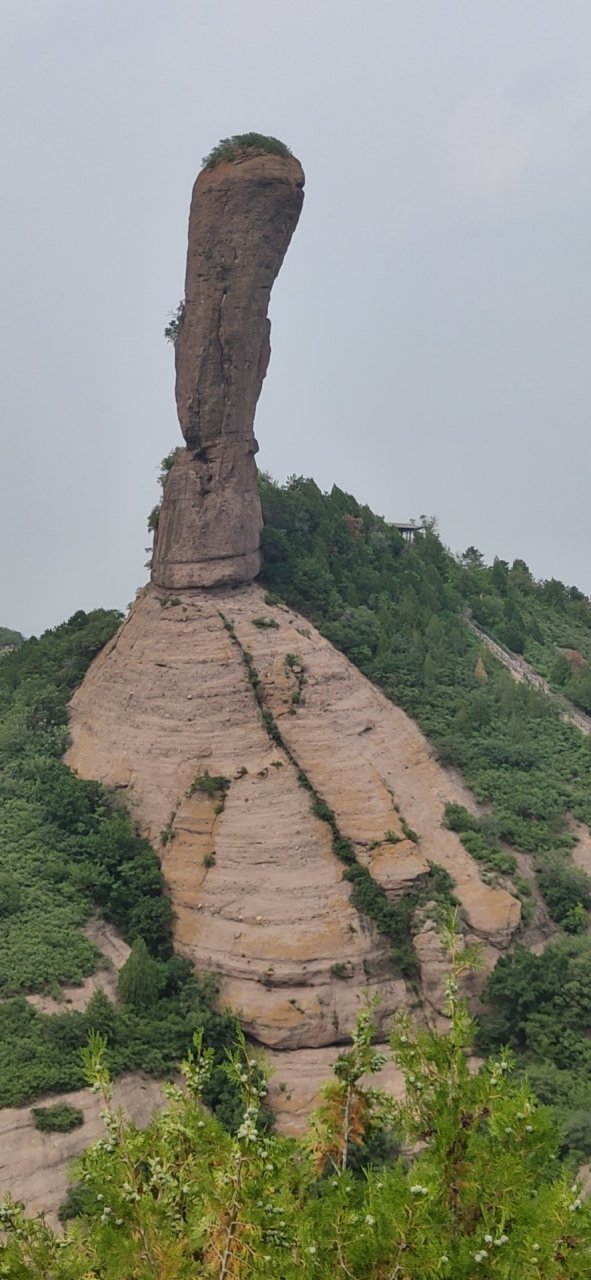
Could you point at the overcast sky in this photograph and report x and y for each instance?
(432, 321)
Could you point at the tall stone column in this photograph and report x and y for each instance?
(243, 215)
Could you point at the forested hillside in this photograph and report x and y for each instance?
(548, 622)
(397, 611)
(68, 850)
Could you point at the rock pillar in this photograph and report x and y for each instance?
(243, 215)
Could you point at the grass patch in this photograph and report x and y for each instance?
(266, 624)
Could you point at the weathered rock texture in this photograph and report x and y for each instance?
(34, 1166)
(258, 893)
(243, 215)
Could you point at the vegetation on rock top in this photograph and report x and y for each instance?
(241, 143)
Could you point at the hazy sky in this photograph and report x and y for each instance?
(432, 321)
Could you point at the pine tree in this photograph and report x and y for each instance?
(139, 978)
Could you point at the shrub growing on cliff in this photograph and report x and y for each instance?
(60, 1118)
(239, 143)
(565, 888)
(171, 331)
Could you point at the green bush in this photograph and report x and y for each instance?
(212, 786)
(239, 143)
(408, 831)
(60, 1118)
(139, 979)
(266, 624)
(9, 638)
(10, 895)
(459, 819)
(171, 333)
(565, 888)
(493, 858)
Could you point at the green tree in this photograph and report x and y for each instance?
(10, 894)
(101, 1015)
(139, 978)
(484, 1195)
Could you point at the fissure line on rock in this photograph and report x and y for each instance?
(392, 919)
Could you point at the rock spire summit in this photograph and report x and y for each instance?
(245, 206)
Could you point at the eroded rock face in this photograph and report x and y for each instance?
(258, 893)
(243, 215)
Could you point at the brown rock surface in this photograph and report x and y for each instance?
(34, 1166)
(297, 1079)
(258, 893)
(243, 215)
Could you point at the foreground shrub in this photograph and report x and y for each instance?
(485, 1196)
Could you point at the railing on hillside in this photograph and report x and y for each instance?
(523, 671)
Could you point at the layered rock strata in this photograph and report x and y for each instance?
(243, 215)
(258, 893)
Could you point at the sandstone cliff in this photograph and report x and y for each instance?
(243, 214)
(258, 892)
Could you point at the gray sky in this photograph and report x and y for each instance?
(432, 321)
